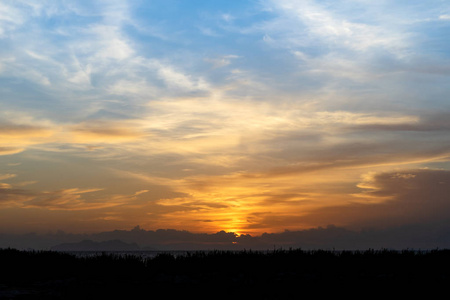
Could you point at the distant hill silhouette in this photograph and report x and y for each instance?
(89, 245)
(413, 236)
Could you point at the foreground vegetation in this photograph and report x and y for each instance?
(218, 274)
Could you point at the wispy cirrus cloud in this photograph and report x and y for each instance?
(72, 199)
(326, 24)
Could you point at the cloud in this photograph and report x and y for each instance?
(10, 150)
(435, 121)
(17, 131)
(222, 61)
(227, 17)
(93, 133)
(324, 24)
(108, 44)
(15, 138)
(353, 46)
(409, 197)
(73, 199)
(7, 176)
(24, 183)
(4, 185)
(11, 197)
(11, 18)
(67, 199)
(98, 131)
(176, 79)
(94, 54)
(258, 129)
(208, 31)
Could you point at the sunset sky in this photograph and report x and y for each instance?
(245, 116)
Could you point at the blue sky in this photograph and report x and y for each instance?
(250, 116)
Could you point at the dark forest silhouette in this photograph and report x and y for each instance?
(218, 274)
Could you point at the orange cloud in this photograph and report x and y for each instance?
(65, 199)
(104, 132)
(14, 138)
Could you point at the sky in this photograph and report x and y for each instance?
(252, 116)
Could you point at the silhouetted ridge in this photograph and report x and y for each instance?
(88, 245)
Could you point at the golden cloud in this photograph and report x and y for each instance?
(104, 132)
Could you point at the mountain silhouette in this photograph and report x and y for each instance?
(89, 245)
